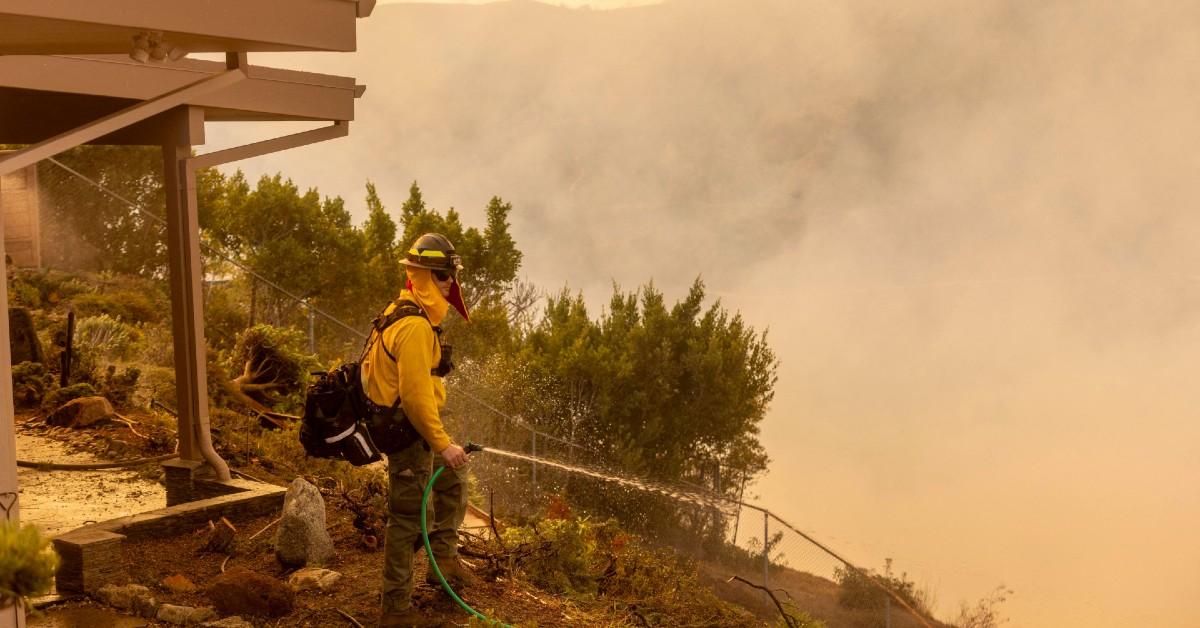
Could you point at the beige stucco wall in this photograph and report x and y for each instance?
(19, 209)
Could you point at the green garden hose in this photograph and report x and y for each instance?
(433, 563)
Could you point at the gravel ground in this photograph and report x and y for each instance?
(60, 501)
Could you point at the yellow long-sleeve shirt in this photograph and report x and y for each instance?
(414, 344)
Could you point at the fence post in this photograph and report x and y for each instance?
(766, 551)
(533, 433)
(887, 612)
(312, 340)
(737, 519)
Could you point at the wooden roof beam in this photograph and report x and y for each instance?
(268, 94)
(116, 121)
(90, 27)
(274, 145)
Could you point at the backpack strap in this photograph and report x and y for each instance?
(404, 308)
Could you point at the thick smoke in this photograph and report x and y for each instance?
(970, 226)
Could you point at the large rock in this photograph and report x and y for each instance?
(81, 412)
(23, 340)
(314, 578)
(129, 597)
(243, 592)
(302, 539)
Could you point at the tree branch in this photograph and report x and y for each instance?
(251, 387)
(788, 619)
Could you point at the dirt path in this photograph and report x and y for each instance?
(60, 501)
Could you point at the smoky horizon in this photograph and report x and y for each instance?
(969, 229)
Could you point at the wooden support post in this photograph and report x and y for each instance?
(187, 305)
(11, 617)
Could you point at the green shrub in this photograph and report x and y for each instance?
(157, 382)
(67, 393)
(127, 305)
(565, 554)
(119, 388)
(21, 293)
(157, 346)
(27, 563)
(580, 558)
(105, 337)
(36, 288)
(865, 591)
(274, 363)
(225, 315)
(31, 382)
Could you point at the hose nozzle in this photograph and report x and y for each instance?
(472, 448)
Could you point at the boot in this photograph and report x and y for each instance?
(410, 618)
(457, 575)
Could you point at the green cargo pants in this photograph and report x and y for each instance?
(409, 471)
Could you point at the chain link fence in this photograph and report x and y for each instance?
(744, 550)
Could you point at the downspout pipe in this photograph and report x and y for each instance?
(188, 165)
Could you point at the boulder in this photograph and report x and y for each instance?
(81, 412)
(314, 578)
(302, 539)
(184, 615)
(243, 592)
(23, 342)
(129, 597)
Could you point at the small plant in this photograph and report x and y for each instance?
(475, 622)
(27, 564)
(798, 617)
(986, 612)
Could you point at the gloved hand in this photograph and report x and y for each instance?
(455, 456)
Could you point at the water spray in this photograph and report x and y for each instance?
(470, 448)
(643, 485)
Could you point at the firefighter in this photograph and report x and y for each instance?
(405, 367)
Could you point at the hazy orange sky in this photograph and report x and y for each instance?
(971, 229)
(594, 4)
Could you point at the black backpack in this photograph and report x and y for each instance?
(341, 422)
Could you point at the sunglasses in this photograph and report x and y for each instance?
(442, 275)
